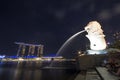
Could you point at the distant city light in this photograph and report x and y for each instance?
(2, 56)
(21, 59)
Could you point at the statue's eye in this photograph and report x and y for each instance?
(88, 28)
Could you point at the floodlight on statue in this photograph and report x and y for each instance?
(95, 36)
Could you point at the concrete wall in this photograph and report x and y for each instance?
(90, 61)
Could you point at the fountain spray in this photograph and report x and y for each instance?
(67, 41)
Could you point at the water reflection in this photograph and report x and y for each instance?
(20, 73)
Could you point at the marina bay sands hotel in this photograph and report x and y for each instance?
(26, 49)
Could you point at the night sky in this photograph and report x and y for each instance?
(52, 22)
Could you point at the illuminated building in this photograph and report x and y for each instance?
(33, 49)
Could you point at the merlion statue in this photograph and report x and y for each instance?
(96, 36)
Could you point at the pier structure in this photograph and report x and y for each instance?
(26, 49)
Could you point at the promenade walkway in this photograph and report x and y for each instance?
(100, 73)
(90, 74)
(105, 74)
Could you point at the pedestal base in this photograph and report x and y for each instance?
(96, 51)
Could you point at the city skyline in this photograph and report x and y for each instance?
(51, 23)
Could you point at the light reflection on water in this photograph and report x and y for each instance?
(16, 73)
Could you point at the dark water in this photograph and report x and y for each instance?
(9, 72)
